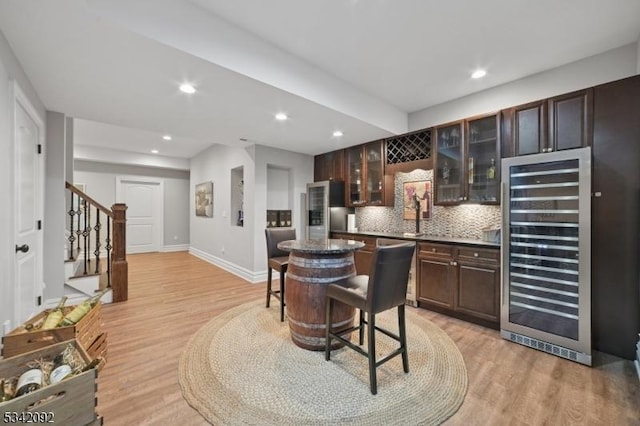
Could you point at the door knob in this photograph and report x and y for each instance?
(23, 248)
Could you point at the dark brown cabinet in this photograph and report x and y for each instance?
(366, 183)
(467, 166)
(329, 166)
(437, 275)
(555, 124)
(615, 218)
(460, 281)
(363, 257)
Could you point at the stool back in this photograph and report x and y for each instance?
(275, 236)
(389, 277)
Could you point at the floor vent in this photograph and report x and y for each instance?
(541, 345)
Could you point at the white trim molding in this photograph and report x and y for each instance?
(175, 247)
(243, 273)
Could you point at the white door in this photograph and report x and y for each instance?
(143, 197)
(28, 130)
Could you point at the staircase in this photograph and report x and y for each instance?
(95, 249)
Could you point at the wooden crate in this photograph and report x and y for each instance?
(70, 402)
(86, 331)
(98, 349)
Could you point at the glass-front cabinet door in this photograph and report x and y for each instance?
(449, 173)
(483, 160)
(375, 173)
(355, 176)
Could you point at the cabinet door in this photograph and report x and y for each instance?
(449, 166)
(529, 128)
(364, 256)
(478, 290)
(374, 173)
(329, 166)
(571, 120)
(355, 176)
(437, 278)
(483, 160)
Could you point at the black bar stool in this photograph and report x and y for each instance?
(279, 260)
(384, 288)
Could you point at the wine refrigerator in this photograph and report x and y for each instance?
(546, 252)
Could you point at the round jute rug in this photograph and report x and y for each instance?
(241, 368)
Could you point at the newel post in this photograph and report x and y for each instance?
(119, 266)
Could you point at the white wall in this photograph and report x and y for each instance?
(55, 211)
(278, 188)
(10, 70)
(638, 56)
(216, 239)
(242, 250)
(100, 181)
(608, 66)
(300, 168)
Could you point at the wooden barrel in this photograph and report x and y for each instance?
(307, 278)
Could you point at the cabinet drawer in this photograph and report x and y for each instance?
(442, 251)
(478, 254)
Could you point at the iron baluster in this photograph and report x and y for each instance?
(72, 237)
(97, 250)
(85, 234)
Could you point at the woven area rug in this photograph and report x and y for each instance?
(241, 368)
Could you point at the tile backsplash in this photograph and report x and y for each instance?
(465, 221)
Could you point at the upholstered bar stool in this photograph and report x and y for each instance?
(279, 260)
(384, 288)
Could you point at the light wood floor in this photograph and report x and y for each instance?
(172, 294)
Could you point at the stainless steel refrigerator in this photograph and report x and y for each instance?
(546, 252)
(325, 207)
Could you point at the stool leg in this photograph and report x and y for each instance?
(372, 353)
(361, 331)
(268, 285)
(281, 295)
(403, 338)
(327, 331)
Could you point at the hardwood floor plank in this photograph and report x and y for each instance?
(172, 295)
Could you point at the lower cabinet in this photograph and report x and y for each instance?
(460, 281)
(363, 257)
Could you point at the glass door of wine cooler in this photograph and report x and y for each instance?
(546, 298)
(317, 210)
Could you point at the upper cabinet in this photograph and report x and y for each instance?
(559, 123)
(467, 166)
(367, 185)
(329, 166)
(449, 169)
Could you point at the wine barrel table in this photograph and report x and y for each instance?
(313, 265)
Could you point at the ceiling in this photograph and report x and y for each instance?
(360, 66)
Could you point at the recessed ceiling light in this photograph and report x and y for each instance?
(337, 133)
(154, 151)
(187, 88)
(167, 137)
(479, 73)
(281, 116)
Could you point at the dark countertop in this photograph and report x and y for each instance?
(424, 238)
(328, 246)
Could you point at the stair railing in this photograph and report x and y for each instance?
(81, 229)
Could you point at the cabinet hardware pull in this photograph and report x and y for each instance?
(475, 254)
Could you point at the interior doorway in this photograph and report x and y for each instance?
(28, 141)
(145, 218)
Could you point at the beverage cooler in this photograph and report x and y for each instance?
(546, 252)
(325, 209)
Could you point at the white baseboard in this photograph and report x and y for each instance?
(243, 273)
(176, 247)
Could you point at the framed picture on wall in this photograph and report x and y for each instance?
(417, 194)
(204, 199)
